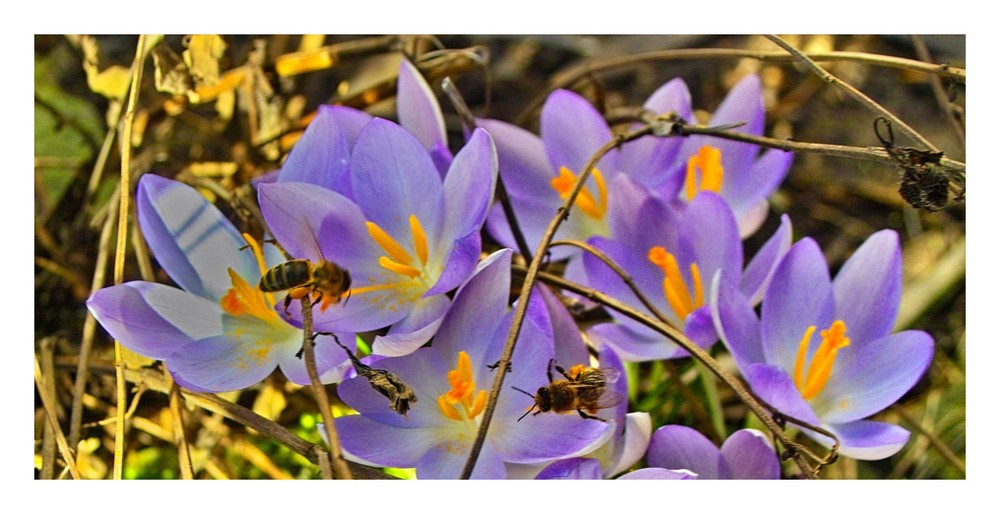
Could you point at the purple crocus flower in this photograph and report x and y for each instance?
(450, 378)
(406, 236)
(219, 332)
(672, 256)
(746, 454)
(823, 351)
(730, 168)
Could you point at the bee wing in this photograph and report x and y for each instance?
(610, 398)
(611, 375)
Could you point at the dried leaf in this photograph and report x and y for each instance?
(202, 57)
(171, 73)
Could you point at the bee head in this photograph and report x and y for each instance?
(543, 399)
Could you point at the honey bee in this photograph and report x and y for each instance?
(325, 281)
(584, 390)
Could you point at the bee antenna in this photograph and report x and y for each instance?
(526, 413)
(522, 390)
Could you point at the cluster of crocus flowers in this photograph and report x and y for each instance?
(451, 378)
(391, 204)
(219, 331)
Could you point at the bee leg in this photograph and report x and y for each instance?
(562, 372)
(287, 302)
(495, 365)
(584, 415)
(551, 362)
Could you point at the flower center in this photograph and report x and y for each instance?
(243, 299)
(463, 392)
(812, 382)
(585, 201)
(708, 161)
(410, 269)
(675, 289)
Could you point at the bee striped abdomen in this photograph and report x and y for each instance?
(287, 275)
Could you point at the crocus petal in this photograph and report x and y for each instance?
(634, 202)
(650, 159)
(647, 278)
(154, 319)
(446, 460)
(190, 238)
(390, 186)
(799, 295)
(758, 273)
(709, 237)
(480, 304)
(763, 178)
(322, 155)
(698, 327)
(868, 288)
(332, 363)
(418, 108)
(569, 346)
(316, 224)
(679, 447)
(749, 456)
(409, 333)
(868, 379)
(751, 218)
(745, 104)
(773, 385)
(573, 131)
(547, 436)
(221, 363)
(575, 468)
(635, 441)
(867, 440)
(382, 444)
(659, 474)
(737, 324)
(469, 186)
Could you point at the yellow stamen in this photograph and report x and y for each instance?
(257, 252)
(708, 160)
(396, 267)
(391, 247)
(818, 374)
(675, 289)
(244, 299)
(595, 208)
(462, 392)
(419, 238)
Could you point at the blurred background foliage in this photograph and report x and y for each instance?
(216, 112)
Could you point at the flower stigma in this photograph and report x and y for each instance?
(591, 206)
(676, 291)
(708, 161)
(815, 378)
(463, 392)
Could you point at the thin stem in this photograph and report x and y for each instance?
(49, 446)
(856, 94)
(529, 281)
(323, 401)
(938, 88)
(180, 438)
(569, 78)
(90, 327)
(48, 405)
(122, 239)
(501, 192)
